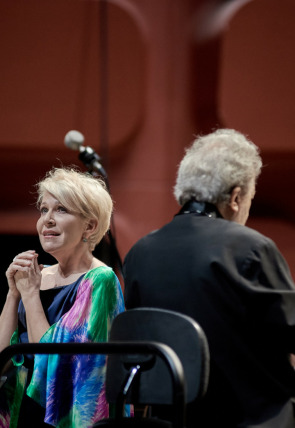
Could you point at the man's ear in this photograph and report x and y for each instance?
(230, 209)
(235, 197)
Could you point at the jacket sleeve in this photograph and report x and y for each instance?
(271, 293)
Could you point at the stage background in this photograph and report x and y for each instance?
(140, 78)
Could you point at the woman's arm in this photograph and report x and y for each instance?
(28, 281)
(9, 316)
(8, 319)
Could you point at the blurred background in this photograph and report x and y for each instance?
(139, 79)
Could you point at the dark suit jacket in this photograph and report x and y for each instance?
(235, 283)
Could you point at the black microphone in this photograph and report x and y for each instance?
(74, 140)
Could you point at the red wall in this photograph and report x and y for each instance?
(139, 78)
(256, 96)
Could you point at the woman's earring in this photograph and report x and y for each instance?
(85, 240)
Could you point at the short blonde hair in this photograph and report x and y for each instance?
(81, 193)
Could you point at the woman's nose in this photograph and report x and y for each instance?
(49, 218)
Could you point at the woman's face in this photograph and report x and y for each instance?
(60, 231)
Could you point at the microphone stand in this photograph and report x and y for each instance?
(92, 161)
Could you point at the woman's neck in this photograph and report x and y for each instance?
(66, 268)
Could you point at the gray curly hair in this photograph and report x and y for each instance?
(214, 165)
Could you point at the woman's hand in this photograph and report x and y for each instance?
(24, 274)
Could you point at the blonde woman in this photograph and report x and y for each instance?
(74, 300)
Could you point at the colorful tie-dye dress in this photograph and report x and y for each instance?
(69, 388)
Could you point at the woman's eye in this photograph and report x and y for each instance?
(43, 210)
(62, 209)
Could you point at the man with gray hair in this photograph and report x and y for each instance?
(231, 279)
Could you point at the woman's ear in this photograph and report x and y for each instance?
(91, 225)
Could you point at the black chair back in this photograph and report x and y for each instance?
(179, 332)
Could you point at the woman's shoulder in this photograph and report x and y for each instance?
(98, 267)
(96, 263)
(101, 269)
(102, 274)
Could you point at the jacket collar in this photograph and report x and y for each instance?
(199, 208)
